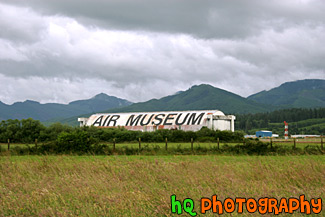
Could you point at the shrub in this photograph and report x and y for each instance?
(76, 141)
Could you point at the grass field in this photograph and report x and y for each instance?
(142, 185)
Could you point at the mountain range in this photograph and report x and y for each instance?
(48, 111)
(198, 97)
(298, 94)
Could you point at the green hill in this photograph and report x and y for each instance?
(48, 111)
(309, 93)
(198, 98)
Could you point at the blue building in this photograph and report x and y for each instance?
(263, 133)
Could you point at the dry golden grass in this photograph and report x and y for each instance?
(142, 185)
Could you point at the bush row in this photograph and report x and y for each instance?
(27, 130)
(251, 147)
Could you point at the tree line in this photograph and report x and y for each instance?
(300, 120)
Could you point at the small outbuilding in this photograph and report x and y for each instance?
(263, 134)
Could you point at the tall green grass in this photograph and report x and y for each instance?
(142, 185)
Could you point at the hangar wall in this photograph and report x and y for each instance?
(151, 121)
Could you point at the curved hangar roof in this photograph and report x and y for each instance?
(151, 121)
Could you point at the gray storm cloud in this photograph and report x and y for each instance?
(140, 50)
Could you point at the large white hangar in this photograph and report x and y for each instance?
(151, 121)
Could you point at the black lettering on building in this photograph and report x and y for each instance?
(133, 122)
(148, 121)
(157, 118)
(169, 117)
(194, 120)
(114, 118)
(106, 119)
(98, 121)
(184, 119)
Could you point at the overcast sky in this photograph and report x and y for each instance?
(64, 50)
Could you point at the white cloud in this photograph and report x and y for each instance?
(61, 90)
(242, 47)
(8, 51)
(20, 24)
